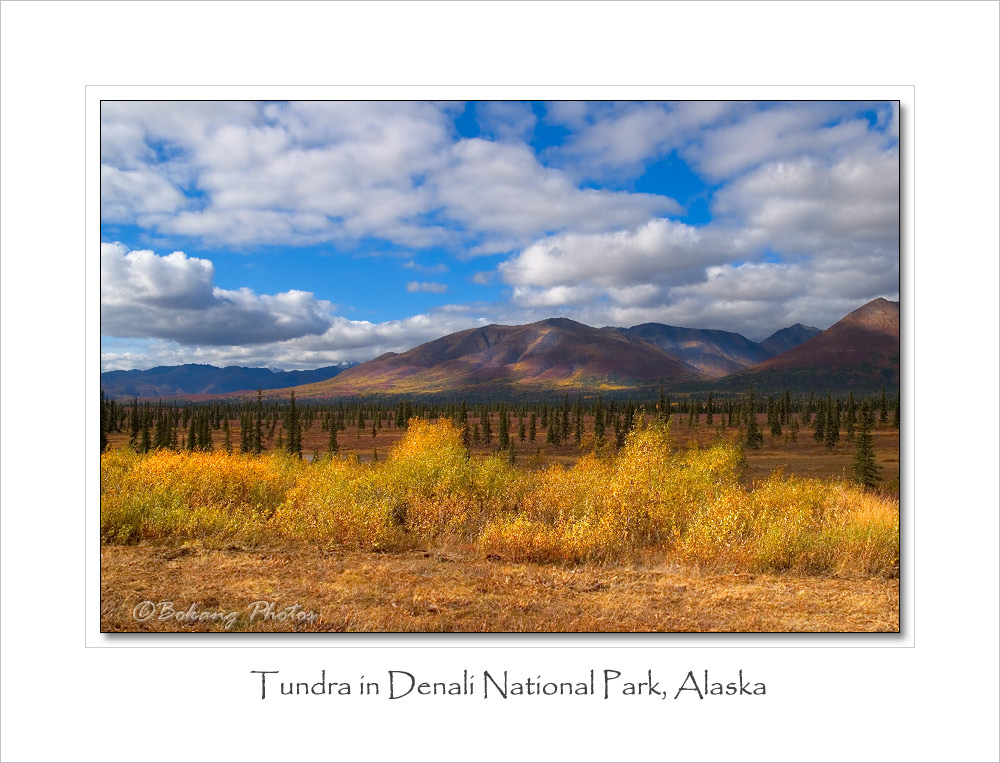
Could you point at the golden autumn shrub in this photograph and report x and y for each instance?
(689, 505)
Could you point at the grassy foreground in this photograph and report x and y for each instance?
(432, 539)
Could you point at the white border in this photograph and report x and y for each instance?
(937, 701)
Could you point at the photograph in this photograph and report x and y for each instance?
(414, 366)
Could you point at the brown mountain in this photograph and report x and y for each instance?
(859, 352)
(554, 355)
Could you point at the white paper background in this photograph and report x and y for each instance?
(929, 695)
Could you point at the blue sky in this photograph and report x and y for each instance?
(297, 235)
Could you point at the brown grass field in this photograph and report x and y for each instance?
(445, 590)
(447, 585)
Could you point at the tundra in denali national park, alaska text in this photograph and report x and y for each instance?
(606, 683)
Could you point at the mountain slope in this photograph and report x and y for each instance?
(713, 353)
(785, 339)
(194, 379)
(551, 355)
(860, 352)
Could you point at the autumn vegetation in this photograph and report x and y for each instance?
(689, 503)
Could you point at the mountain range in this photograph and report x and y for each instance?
(199, 379)
(859, 352)
(558, 355)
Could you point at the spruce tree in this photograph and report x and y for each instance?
(850, 418)
(332, 446)
(774, 415)
(294, 427)
(754, 436)
(883, 409)
(487, 427)
(819, 430)
(709, 410)
(105, 416)
(257, 440)
(865, 468)
(532, 427)
(831, 425)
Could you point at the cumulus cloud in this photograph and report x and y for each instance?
(505, 120)
(502, 189)
(612, 139)
(305, 173)
(427, 286)
(659, 251)
(174, 297)
(344, 340)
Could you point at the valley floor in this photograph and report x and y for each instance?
(450, 590)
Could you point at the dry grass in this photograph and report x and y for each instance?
(453, 590)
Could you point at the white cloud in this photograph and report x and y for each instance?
(615, 139)
(427, 286)
(304, 173)
(174, 297)
(505, 120)
(788, 131)
(344, 340)
(660, 251)
(438, 267)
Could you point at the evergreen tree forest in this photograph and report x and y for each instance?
(521, 432)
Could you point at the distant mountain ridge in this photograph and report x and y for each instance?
(711, 352)
(785, 339)
(860, 352)
(556, 354)
(198, 379)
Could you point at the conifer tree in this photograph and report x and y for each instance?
(831, 425)
(105, 417)
(709, 410)
(332, 446)
(895, 414)
(865, 468)
(819, 430)
(754, 436)
(227, 441)
(850, 418)
(294, 426)
(503, 429)
(532, 427)
(487, 427)
(257, 440)
(522, 434)
(883, 409)
(774, 415)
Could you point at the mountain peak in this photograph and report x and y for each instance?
(879, 315)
